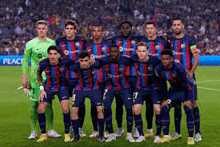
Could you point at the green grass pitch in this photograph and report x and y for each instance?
(15, 114)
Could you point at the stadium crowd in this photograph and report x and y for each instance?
(18, 18)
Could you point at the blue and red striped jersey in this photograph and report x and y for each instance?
(156, 46)
(116, 72)
(87, 79)
(183, 49)
(127, 47)
(99, 50)
(70, 48)
(146, 76)
(176, 76)
(56, 74)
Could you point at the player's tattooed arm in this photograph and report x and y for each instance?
(40, 81)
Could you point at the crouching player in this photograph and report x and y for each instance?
(175, 74)
(147, 88)
(56, 84)
(87, 86)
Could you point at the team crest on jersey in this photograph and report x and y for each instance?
(133, 41)
(109, 76)
(66, 52)
(61, 69)
(92, 56)
(149, 68)
(93, 72)
(121, 69)
(104, 48)
(182, 45)
(157, 47)
(120, 48)
(77, 44)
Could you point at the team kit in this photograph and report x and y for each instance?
(134, 71)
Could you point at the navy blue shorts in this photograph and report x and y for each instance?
(132, 82)
(144, 95)
(80, 95)
(62, 95)
(125, 94)
(177, 97)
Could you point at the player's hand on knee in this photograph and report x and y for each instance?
(42, 95)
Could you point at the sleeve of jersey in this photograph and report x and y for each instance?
(27, 54)
(162, 84)
(193, 47)
(73, 75)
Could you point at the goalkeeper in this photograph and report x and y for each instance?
(36, 49)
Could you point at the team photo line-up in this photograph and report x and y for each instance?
(132, 69)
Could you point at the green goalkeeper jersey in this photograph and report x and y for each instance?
(37, 50)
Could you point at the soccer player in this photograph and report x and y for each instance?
(98, 48)
(147, 88)
(184, 48)
(156, 44)
(127, 44)
(116, 66)
(70, 46)
(86, 87)
(178, 92)
(36, 49)
(56, 84)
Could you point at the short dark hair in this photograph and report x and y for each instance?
(151, 23)
(124, 22)
(114, 45)
(178, 18)
(41, 22)
(70, 22)
(53, 47)
(167, 52)
(84, 54)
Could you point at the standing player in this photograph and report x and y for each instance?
(56, 84)
(116, 66)
(147, 88)
(86, 87)
(70, 46)
(127, 44)
(156, 44)
(36, 49)
(184, 48)
(175, 74)
(98, 48)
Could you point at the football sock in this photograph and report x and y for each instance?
(34, 115)
(139, 124)
(66, 120)
(197, 119)
(189, 120)
(165, 119)
(158, 124)
(42, 122)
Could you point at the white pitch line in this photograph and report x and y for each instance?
(208, 81)
(208, 88)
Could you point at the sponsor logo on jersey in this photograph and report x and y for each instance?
(66, 52)
(39, 55)
(120, 48)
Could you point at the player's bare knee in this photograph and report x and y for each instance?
(188, 104)
(74, 112)
(65, 110)
(100, 112)
(157, 110)
(41, 108)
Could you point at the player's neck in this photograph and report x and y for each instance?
(152, 37)
(181, 35)
(145, 59)
(99, 40)
(42, 38)
(55, 63)
(70, 37)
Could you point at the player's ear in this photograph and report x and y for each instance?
(59, 55)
